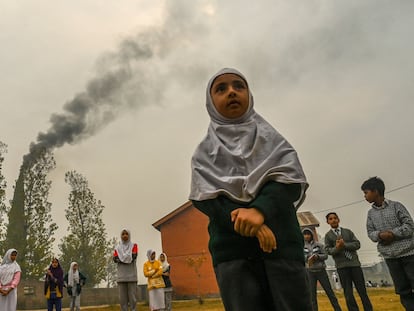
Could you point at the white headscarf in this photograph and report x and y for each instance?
(73, 276)
(238, 156)
(165, 264)
(8, 268)
(124, 248)
(149, 253)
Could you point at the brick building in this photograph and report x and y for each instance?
(184, 239)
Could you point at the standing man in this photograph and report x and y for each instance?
(391, 226)
(342, 245)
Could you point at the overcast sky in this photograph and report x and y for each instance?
(128, 77)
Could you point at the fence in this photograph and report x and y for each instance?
(31, 296)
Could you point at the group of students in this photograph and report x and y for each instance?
(248, 180)
(55, 281)
(10, 273)
(156, 271)
(390, 225)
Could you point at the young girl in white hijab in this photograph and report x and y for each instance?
(248, 180)
(153, 272)
(74, 280)
(10, 274)
(166, 268)
(125, 256)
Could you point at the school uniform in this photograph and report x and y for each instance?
(316, 270)
(348, 266)
(243, 162)
(10, 273)
(74, 281)
(153, 272)
(53, 287)
(125, 256)
(250, 279)
(168, 290)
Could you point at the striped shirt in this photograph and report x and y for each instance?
(392, 216)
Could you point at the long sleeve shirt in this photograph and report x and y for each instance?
(275, 201)
(14, 282)
(318, 249)
(153, 270)
(392, 216)
(127, 272)
(352, 244)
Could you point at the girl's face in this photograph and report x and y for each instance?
(55, 263)
(153, 256)
(307, 236)
(125, 236)
(75, 267)
(162, 257)
(230, 95)
(13, 256)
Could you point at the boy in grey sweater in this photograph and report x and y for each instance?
(391, 226)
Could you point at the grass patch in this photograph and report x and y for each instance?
(383, 299)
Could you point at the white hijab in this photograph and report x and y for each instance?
(8, 268)
(124, 248)
(238, 156)
(165, 264)
(73, 276)
(149, 253)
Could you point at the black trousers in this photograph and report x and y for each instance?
(263, 285)
(402, 273)
(322, 277)
(354, 275)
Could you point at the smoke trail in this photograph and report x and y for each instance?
(99, 104)
(132, 76)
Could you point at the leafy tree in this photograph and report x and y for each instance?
(111, 269)
(4, 209)
(30, 229)
(86, 242)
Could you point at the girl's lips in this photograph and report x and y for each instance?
(233, 102)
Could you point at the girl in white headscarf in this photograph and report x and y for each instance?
(166, 268)
(10, 274)
(247, 178)
(125, 256)
(153, 272)
(74, 280)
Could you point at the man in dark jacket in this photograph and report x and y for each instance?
(342, 244)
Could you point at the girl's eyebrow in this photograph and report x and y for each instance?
(216, 86)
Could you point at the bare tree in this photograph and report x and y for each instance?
(196, 262)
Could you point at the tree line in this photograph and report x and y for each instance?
(26, 223)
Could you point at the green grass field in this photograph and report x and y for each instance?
(382, 299)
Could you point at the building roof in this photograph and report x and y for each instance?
(307, 219)
(157, 225)
(304, 218)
